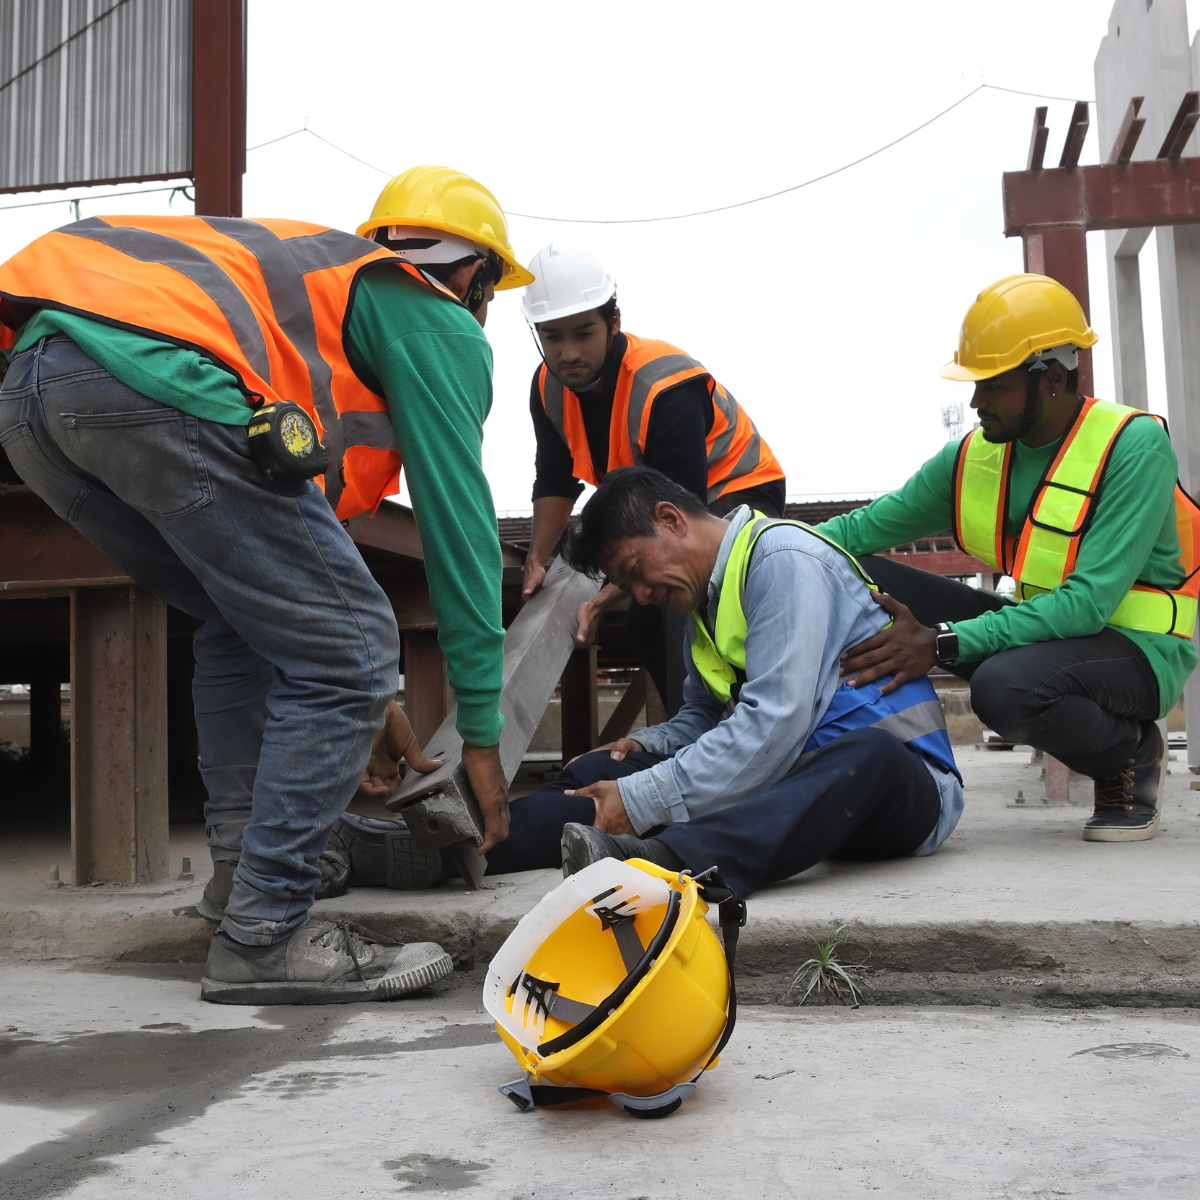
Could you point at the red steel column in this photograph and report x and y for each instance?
(218, 106)
(119, 814)
(427, 697)
(1060, 251)
(580, 704)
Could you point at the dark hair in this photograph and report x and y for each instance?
(623, 507)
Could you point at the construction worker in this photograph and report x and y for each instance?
(1077, 500)
(760, 792)
(149, 356)
(603, 399)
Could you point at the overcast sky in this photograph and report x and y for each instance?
(826, 312)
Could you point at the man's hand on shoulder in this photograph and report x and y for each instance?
(482, 765)
(906, 650)
(610, 809)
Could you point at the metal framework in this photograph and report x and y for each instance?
(1052, 209)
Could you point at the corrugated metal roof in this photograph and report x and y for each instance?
(110, 104)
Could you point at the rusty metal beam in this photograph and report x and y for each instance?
(1153, 191)
(1076, 132)
(580, 704)
(626, 712)
(439, 807)
(427, 695)
(392, 528)
(218, 106)
(119, 814)
(1127, 136)
(1037, 140)
(1181, 126)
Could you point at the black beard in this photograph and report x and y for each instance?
(1000, 437)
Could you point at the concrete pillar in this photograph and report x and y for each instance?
(1146, 53)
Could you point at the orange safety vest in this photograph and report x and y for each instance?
(267, 300)
(1043, 555)
(738, 458)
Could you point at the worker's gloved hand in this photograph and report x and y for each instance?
(535, 576)
(482, 765)
(610, 809)
(906, 650)
(394, 743)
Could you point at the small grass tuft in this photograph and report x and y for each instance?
(825, 975)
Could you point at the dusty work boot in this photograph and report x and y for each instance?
(1128, 803)
(383, 853)
(583, 845)
(323, 962)
(335, 874)
(212, 904)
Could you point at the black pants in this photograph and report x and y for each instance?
(863, 796)
(1084, 700)
(656, 634)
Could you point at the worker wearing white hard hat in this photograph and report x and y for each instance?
(602, 399)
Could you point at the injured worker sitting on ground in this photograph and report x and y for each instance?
(772, 764)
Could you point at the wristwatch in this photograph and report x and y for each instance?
(945, 647)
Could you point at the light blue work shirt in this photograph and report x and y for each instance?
(805, 606)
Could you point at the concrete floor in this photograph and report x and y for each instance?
(120, 1082)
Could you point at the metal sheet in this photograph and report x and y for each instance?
(112, 105)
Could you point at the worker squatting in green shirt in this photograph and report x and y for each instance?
(433, 363)
(1132, 538)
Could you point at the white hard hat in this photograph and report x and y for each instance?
(569, 280)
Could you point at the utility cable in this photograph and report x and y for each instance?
(62, 45)
(601, 221)
(178, 187)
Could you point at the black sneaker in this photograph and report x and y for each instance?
(583, 845)
(335, 875)
(1128, 803)
(383, 853)
(323, 962)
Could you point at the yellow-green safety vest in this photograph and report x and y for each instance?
(1043, 555)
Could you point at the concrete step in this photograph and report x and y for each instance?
(1016, 906)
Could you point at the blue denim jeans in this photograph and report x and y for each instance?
(298, 652)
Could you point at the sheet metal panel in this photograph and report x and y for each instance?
(109, 99)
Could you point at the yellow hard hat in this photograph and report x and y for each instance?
(1014, 318)
(614, 985)
(445, 199)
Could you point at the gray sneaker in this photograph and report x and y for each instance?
(583, 845)
(335, 879)
(323, 962)
(211, 906)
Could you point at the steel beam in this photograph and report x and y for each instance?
(218, 106)
(119, 811)
(1037, 140)
(1060, 251)
(1076, 132)
(626, 712)
(580, 704)
(440, 808)
(1153, 191)
(427, 696)
(1127, 136)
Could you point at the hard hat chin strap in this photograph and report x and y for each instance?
(1033, 384)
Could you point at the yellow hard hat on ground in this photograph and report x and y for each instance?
(445, 199)
(1012, 320)
(616, 986)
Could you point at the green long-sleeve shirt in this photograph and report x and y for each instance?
(431, 361)
(1132, 538)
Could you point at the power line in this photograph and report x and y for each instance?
(720, 208)
(62, 45)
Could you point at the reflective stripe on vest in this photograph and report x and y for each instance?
(912, 713)
(1063, 504)
(267, 300)
(738, 458)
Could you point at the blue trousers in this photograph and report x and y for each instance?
(863, 796)
(298, 654)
